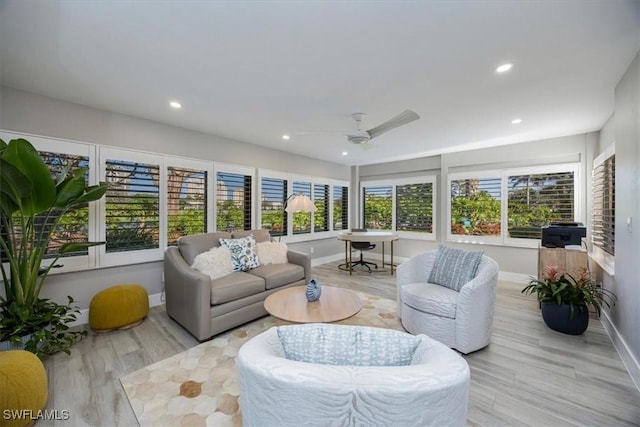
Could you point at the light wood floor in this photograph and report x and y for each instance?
(528, 375)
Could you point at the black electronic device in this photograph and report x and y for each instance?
(561, 234)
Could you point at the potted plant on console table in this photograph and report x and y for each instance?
(32, 202)
(565, 299)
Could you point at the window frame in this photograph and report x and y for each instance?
(182, 162)
(56, 145)
(600, 256)
(503, 174)
(289, 237)
(394, 183)
(238, 170)
(109, 259)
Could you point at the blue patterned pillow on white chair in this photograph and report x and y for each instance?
(453, 268)
(347, 345)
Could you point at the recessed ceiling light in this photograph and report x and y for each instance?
(286, 137)
(175, 104)
(344, 153)
(516, 121)
(504, 68)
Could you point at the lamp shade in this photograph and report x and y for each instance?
(300, 203)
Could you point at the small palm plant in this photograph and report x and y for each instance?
(32, 202)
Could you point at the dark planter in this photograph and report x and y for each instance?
(557, 317)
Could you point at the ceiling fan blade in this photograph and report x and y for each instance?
(403, 118)
(349, 133)
(323, 132)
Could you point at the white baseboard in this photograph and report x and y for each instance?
(83, 318)
(508, 276)
(628, 359)
(325, 259)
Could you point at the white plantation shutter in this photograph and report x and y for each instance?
(186, 202)
(274, 194)
(476, 206)
(233, 201)
(604, 206)
(414, 207)
(536, 200)
(302, 220)
(321, 201)
(377, 207)
(340, 207)
(132, 206)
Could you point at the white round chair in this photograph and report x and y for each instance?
(275, 391)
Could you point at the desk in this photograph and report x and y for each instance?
(367, 236)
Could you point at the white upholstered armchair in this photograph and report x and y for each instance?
(459, 319)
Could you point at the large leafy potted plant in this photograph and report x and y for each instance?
(565, 299)
(32, 202)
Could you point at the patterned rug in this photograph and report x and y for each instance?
(199, 387)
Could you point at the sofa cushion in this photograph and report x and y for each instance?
(347, 345)
(272, 253)
(430, 298)
(235, 285)
(191, 246)
(243, 252)
(260, 235)
(215, 263)
(276, 275)
(453, 268)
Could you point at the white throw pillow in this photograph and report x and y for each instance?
(215, 263)
(272, 253)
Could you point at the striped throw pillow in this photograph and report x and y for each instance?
(454, 267)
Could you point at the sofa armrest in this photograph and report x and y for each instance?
(188, 294)
(303, 260)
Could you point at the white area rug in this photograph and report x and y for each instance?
(199, 387)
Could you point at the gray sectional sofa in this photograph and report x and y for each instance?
(206, 307)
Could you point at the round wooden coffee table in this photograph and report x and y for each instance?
(291, 304)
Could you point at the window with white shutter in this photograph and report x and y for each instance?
(273, 193)
(535, 200)
(233, 203)
(186, 202)
(132, 209)
(321, 201)
(414, 207)
(603, 232)
(476, 206)
(340, 207)
(377, 207)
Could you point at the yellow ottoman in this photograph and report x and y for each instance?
(23, 388)
(118, 307)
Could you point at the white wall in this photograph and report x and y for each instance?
(623, 320)
(25, 112)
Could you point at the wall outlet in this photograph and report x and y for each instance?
(311, 249)
(163, 277)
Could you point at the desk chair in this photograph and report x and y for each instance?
(362, 246)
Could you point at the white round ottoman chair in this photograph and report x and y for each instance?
(337, 375)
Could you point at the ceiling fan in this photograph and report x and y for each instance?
(359, 136)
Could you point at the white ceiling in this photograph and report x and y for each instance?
(252, 71)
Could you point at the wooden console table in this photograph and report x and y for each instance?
(567, 260)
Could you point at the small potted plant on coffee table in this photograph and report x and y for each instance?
(565, 299)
